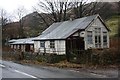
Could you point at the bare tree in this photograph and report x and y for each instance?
(21, 12)
(60, 11)
(4, 20)
(57, 10)
(83, 8)
(3, 17)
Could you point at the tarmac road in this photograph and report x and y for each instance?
(15, 70)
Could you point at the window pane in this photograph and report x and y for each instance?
(99, 39)
(42, 44)
(89, 37)
(52, 44)
(105, 41)
(95, 39)
(104, 33)
(104, 38)
(97, 31)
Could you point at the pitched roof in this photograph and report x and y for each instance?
(62, 30)
(24, 41)
(12, 40)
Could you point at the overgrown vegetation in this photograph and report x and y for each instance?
(87, 57)
(95, 57)
(48, 58)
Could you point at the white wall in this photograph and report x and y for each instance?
(36, 46)
(31, 47)
(59, 47)
(23, 47)
(95, 24)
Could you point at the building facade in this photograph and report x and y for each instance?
(79, 34)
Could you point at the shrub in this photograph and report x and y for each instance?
(95, 57)
(53, 58)
(41, 58)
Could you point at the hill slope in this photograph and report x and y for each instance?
(112, 23)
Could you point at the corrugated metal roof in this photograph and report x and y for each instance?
(24, 41)
(12, 40)
(62, 30)
(51, 28)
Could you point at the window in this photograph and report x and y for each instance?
(97, 41)
(42, 44)
(104, 39)
(97, 30)
(89, 37)
(52, 44)
(98, 37)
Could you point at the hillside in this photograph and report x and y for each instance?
(33, 24)
(112, 23)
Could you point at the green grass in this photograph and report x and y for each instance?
(112, 24)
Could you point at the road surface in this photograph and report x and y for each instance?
(15, 70)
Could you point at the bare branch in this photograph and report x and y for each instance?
(3, 17)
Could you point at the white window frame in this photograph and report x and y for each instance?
(105, 42)
(89, 37)
(98, 42)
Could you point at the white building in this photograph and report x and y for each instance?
(79, 34)
(26, 44)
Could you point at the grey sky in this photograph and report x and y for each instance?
(11, 5)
